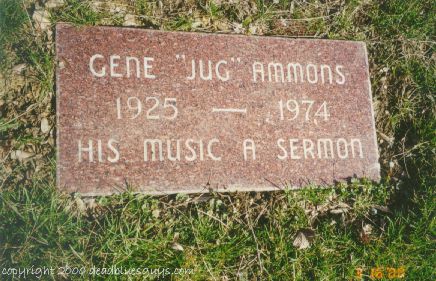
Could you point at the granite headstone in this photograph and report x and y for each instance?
(166, 112)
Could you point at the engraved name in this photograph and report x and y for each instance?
(277, 72)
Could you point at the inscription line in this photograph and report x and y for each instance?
(231, 110)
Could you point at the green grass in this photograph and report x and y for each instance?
(12, 19)
(237, 236)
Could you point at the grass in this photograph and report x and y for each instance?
(238, 236)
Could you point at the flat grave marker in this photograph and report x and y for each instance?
(167, 112)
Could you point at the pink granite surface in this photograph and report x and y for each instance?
(221, 114)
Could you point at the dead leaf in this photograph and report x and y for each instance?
(339, 211)
(340, 208)
(80, 205)
(41, 19)
(130, 20)
(367, 229)
(17, 69)
(304, 238)
(21, 155)
(238, 28)
(156, 213)
(51, 4)
(176, 237)
(45, 127)
(365, 233)
(177, 247)
(89, 203)
(381, 208)
(196, 24)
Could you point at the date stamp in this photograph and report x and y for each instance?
(380, 272)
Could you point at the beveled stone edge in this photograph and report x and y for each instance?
(374, 129)
(57, 74)
(202, 33)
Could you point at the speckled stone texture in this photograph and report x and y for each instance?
(304, 107)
